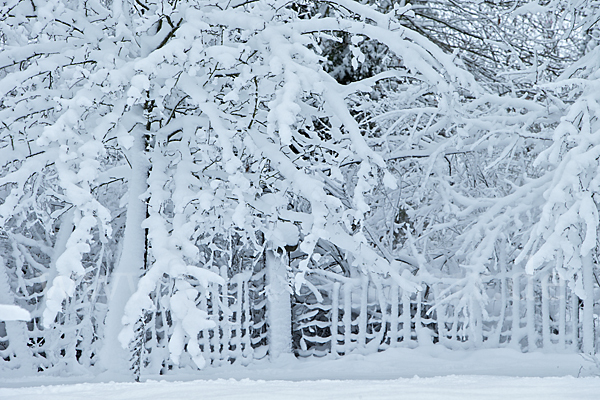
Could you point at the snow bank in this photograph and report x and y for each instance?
(392, 364)
(393, 374)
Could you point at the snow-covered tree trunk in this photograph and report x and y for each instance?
(515, 338)
(530, 314)
(588, 305)
(114, 356)
(279, 317)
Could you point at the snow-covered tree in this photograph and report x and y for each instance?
(527, 219)
(181, 181)
(173, 134)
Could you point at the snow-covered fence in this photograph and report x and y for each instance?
(238, 310)
(335, 314)
(339, 315)
(361, 314)
(230, 307)
(550, 313)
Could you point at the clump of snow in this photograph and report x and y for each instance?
(10, 312)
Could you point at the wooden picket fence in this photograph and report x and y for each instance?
(338, 315)
(366, 315)
(239, 309)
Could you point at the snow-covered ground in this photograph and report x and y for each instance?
(424, 373)
(448, 387)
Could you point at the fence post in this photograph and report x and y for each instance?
(531, 331)
(440, 315)
(574, 321)
(347, 317)
(406, 317)
(215, 341)
(515, 332)
(279, 308)
(588, 304)
(248, 351)
(546, 342)
(562, 325)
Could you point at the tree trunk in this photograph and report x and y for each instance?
(124, 277)
(530, 315)
(279, 306)
(588, 305)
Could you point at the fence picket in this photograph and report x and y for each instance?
(546, 342)
(363, 317)
(347, 318)
(406, 318)
(574, 321)
(247, 352)
(562, 317)
(516, 312)
(394, 300)
(530, 315)
(335, 309)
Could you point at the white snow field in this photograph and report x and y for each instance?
(423, 373)
(447, 387)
